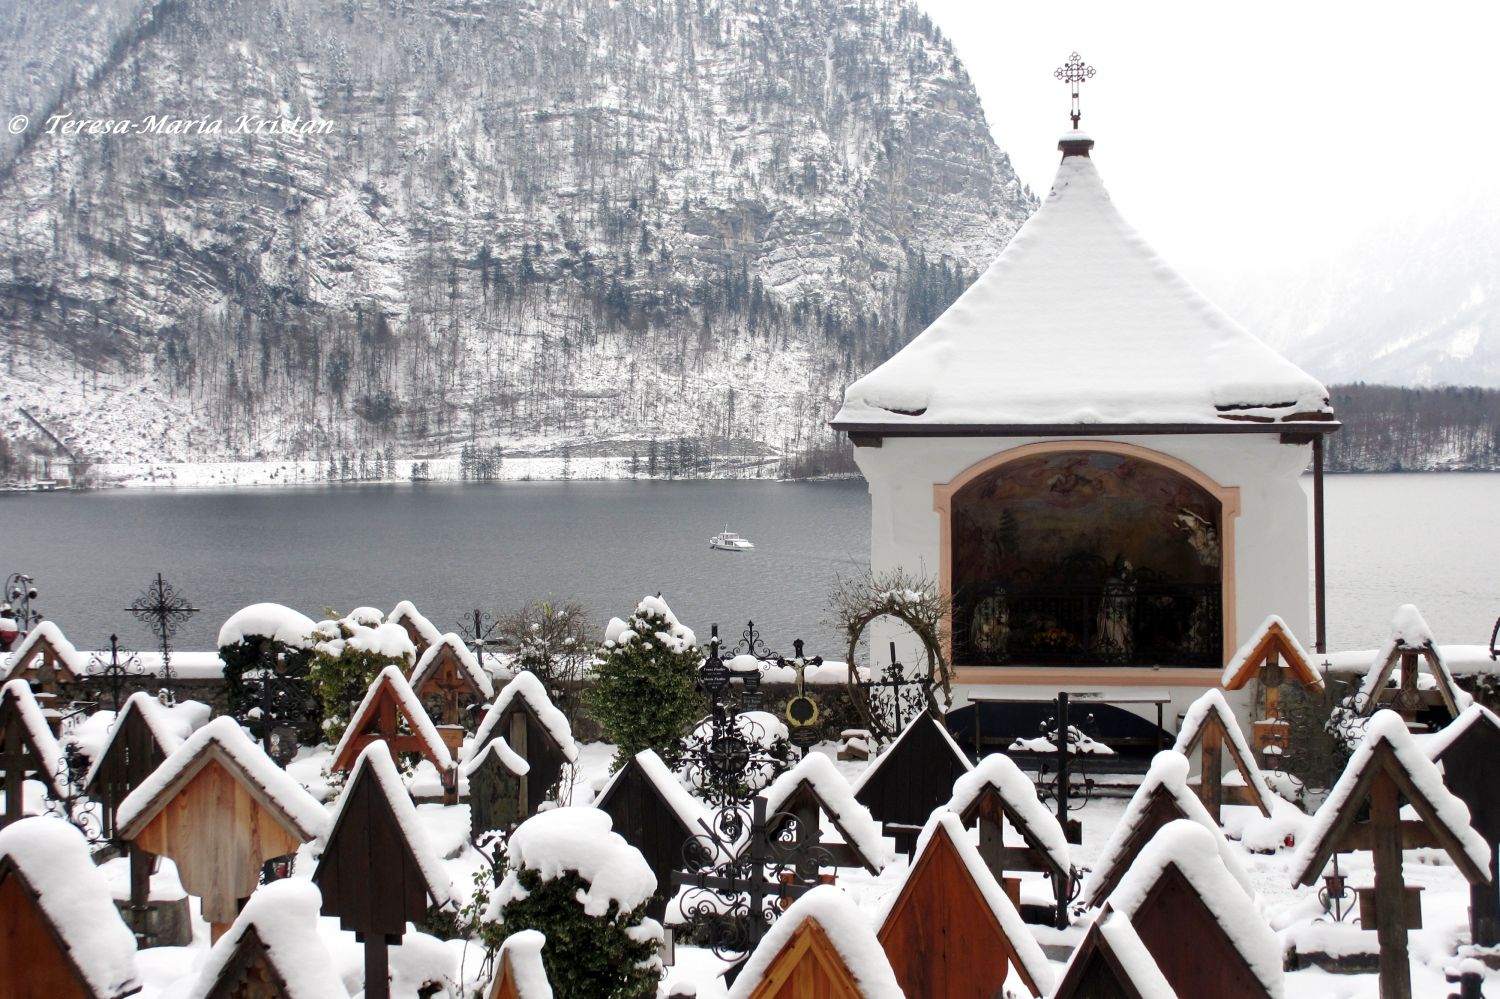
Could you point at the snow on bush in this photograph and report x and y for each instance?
(273, 621)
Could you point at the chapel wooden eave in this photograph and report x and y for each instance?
(1301, 431)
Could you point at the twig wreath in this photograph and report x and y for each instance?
(915, 602)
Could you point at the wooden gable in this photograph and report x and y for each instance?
(805, 803)
(1407, 698)
(942, 936)
(496, 798)
(1216, 733)
(35, 963)
(1466, 750)
(1098, 970)
(808, 966)
(445, 686)
(519, 725)
(1272, 646)
(990, 811)
(250, 973)
(46, 660)
(379, 717)
(1161, 807)
(130, 756)
(521, 950)
(642, 814)
(911, 778)
(27, 748)
(1185, 939)
(420, 630)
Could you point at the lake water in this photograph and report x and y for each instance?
(450, 547)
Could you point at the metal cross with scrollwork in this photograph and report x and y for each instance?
(115, 673)
(896, 697)
(1074, 72)
(162, 609)
(480, 632)
(801, 710)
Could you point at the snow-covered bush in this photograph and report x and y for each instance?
(645, 683)
(585, 889)
(269, 635)
(552, 640)
(348, 655)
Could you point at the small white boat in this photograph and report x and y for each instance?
(727, 541)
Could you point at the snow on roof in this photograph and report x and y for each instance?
(1169, 771)
(1475, 714)
(578, 838)
(509, 759)
(523, 950)
(406, 612)
(168, 726)
(268, 621)
(376, 759)
(224, 736)
(689, 810)
(1409, 630)
(1017, 791)
(678, 637)
(1244, 652)
(1027, 950)
(42, 739)
(73, 661)
(466, 662)
(1079, 321)
(1212, 702)
(848, 931)
(528, 688)
(54, 859)
(853, 820)
(1195, 852)
(284, 915)
(925, 718)
(1387, 728)
(391, 677)
(1136, 961)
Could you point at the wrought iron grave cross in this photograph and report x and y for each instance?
(162, 609)
(115, 673)
(1074, 72)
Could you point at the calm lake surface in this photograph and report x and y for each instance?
(450, 547)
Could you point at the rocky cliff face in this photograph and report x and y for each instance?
(336, 224)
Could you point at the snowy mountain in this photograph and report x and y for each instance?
(297, 228)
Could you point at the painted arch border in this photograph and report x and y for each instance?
(1229, 512)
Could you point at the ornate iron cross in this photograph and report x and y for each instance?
(162, 609)
(1074, 72)
(115, 673)
(481, 632)
(896, 697)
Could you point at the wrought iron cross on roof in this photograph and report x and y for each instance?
(162, 609)
(1074, 72)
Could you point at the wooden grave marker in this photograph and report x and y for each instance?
(1209, 729)
(519, 972)
(1465, 751)
(812, 952)
(449, 682)
(390, 701)
(48, 661)
(45, 867)
(272, 951)
(657, 816)
(219, 807)
(1272, 656)
(1411, 644)
(1163, 797)
(1388, 767)
(810, 791)
(951, 932)
(539, 733)
(28, 749)
(1113, 963)
(422, 632)
(911, 777)
(996, 793)
(377, 871)
(495, 799)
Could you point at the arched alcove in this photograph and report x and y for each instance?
(1086, 555)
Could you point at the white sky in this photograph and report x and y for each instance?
(1243, 136)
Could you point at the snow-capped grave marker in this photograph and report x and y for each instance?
(1411, 644)
(1465, 751)
(821, 948)
(378, 719)
(1162, 798)
(220, 808)
(27, 748)
(951, 931)
(494, 774)
(60, 934)
(1113, 963)
(422, 632)
(1385, 768)
(520, 973)
(47, 660)
(995, 793)
(911, 777)
(810, 790)
(377, 870)
(272, 951)
(1272, 656)
(656, 815)
(449, 682)
(539, 733)
(1209, 728)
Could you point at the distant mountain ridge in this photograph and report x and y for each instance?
(532, 221)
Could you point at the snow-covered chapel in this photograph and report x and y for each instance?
(1098, 467)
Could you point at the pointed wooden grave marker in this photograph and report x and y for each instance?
(389, 701)
(996, 793)
(657, 816)
(520, 973)
(1113, 963)
(951, 930)
(47, 660)
(821, 948)
(1163, 797)
(272, 951)
(449, 683)
(1208, 729)
(377, 871)
(1274, 657)
(1386, 768)
(1411, 644)
(219, 807)
(539, 733)
(912, 777)
(28, 748)
(495, 800)
(45, 868)
(422, 632)
(808, 792)
(1466, 750)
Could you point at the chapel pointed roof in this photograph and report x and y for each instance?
(1080, 324)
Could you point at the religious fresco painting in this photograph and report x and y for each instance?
(1086, 558)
